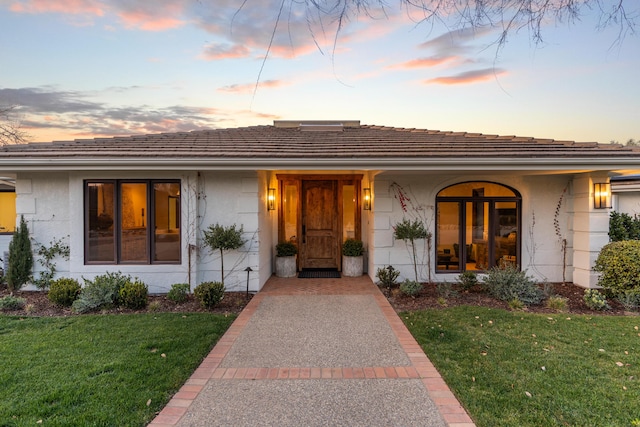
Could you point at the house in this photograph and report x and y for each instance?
(139, 204)
(625, 190)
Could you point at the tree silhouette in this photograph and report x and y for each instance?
(10, 132)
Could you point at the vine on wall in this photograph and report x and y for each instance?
(559, 233)
(416, 212)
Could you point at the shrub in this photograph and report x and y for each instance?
(468, 279)
(64, 291)
(387, 276)
(178, 292)
(410, 287)
(623, 227)
(557, 303)
(133, 294)
(630, 299)
(20, 258)
(352, 247)
(102, 292)
(209, 293)
(619, 263)
(12, 303)
(286, 249)
(516, 304)
(509, 283)
(595, 300)
(445, 290)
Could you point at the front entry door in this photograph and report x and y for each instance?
(320, 235)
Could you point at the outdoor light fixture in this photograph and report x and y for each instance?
(366, 200)
(271, 199)
(601, 195)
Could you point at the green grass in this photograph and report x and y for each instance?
(522, 369)
(99, 370)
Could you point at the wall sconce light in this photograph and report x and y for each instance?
(601, 195)
(271, 199)
(366, 200)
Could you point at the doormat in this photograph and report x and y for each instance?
(319, 273)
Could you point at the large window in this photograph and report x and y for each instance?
(478, 227)
(132, 222)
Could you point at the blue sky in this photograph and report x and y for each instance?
(90, 68)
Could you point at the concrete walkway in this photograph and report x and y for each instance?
(316, 352)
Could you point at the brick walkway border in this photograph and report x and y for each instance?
(421, 367)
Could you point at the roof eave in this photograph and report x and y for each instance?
(390, 164)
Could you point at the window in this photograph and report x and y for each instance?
(478, 227)
(7, 207)
(132, 222)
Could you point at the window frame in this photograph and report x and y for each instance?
(150, 210)
(493, 218)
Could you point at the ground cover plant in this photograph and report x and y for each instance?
(524, 369)
(99, 370)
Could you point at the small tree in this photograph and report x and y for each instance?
(411, 231)
(223, 239)
(20, 258)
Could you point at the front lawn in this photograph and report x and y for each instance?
(521, 369)
(99, 370)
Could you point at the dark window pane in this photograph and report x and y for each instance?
(506, 233)
(101, 227)
(449, 250)
(167, 221)
(133, 227)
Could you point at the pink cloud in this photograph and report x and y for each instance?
(431, 61)
(152, 21)
(250, 87)
(468, 77)
(73, 7)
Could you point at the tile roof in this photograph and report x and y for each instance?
(321, 141)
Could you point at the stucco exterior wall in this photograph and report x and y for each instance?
(43, 199)
(226, 199)
(627, 202)
(541, 251)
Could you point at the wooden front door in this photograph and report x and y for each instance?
(320, 233)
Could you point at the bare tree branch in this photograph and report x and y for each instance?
(510, 15)
(10, 132)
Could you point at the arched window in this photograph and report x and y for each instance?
(477, 226)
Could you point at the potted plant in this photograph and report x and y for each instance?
(286, 259)
(352, 260)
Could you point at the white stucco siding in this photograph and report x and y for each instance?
(230, 198)
(43, 200)
(540, 245)
(627, 202)
(542, 229)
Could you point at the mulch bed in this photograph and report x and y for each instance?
(37, 303)
(429, 298)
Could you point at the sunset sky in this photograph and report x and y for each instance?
(90, 68)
